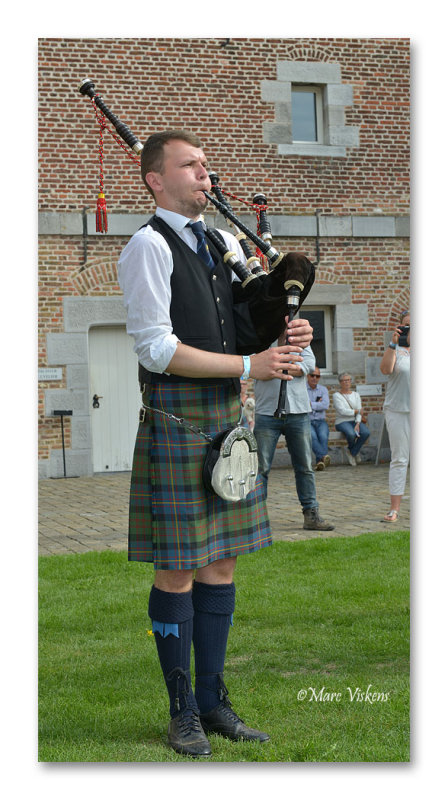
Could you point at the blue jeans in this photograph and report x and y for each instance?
(354, 443)
(319, 437)
(297, 431)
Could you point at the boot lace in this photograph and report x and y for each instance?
(189, 722)
(180, 675)
(224, 698)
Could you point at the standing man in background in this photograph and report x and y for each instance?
(296, 429)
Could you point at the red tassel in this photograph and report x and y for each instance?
(101, 214)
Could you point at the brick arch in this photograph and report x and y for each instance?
(325, 275)
(307, 53)
(99, 276)
(401, 303)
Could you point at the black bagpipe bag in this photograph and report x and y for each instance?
(260, 309)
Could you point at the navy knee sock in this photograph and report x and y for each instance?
(213, 608)
(172, 623)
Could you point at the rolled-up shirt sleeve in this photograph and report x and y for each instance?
(144, 275)
(309, 360)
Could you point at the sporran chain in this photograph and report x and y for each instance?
(180, 421)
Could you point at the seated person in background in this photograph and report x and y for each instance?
(320, 402)
(347, 404)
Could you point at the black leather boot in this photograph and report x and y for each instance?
(223, 720)
(186, 736)
(185, 733)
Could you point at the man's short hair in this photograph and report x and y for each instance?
(152, 156)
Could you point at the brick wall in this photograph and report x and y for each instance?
(62, 273)
(152, 84)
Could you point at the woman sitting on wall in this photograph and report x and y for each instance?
(348, 421)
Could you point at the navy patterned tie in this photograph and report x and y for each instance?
(202, 251)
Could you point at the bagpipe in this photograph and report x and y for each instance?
(271, 292)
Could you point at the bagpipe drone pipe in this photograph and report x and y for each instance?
(269, 295)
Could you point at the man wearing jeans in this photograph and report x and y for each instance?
(296, 428)
(320, 402)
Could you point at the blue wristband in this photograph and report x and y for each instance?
(246, 368)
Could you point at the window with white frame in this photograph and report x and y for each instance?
(319, 318)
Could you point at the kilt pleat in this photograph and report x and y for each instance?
(173, 521)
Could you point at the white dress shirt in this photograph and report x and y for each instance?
(144, 274)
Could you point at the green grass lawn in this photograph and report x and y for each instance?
(326, 617)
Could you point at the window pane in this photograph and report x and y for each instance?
(304, 125)
(317, 322)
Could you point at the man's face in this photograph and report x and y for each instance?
(313, 378)
(179, 186)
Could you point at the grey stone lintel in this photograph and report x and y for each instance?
(285, 225)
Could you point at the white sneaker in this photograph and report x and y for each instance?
(358, 459)
(351, 459)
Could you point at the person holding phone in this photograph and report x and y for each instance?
(396, 363)
(320, 402)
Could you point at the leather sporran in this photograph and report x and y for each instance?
(231, 464)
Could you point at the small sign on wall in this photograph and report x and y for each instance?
(50, 373)
(369, 389)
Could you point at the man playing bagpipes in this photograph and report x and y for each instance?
(194, 329)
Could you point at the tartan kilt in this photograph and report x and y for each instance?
(173, 521)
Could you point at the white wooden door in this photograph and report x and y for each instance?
(113, 369)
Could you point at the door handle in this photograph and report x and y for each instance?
(96, 399)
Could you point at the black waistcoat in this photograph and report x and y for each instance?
(201, 307)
